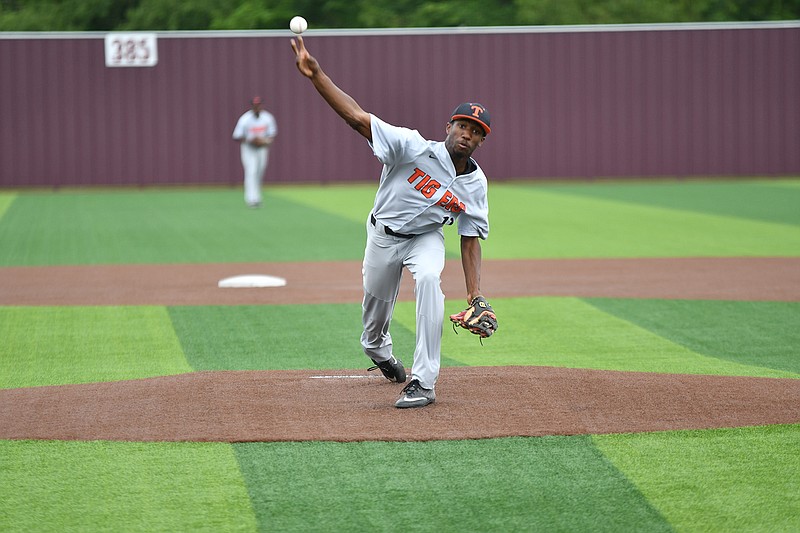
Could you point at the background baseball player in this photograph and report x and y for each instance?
(424, 185)
(255, 130)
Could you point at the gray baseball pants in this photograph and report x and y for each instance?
(384, 259)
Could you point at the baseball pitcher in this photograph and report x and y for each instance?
(424, 185)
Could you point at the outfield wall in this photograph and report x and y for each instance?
(566, 102)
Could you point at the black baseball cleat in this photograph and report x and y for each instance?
(415, 395)
(392, 369)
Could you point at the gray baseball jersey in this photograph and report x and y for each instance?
(419, 190)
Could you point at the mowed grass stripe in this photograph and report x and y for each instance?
(569, 332)
(762, 334)
(326, 223)
(275, 337)
(352, 202)
(517, 484)
(5, 201)
(64, 345)
(767, 200)
(533, 222)
(172, 226)
(122, 486)
(56, 345)
(742, 479)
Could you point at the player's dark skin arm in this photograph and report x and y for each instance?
(471, 263)
(462, 139)
(340, 101)
(463, 136)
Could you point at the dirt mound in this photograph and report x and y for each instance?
(472, 403)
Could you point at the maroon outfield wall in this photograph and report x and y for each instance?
(566, 102)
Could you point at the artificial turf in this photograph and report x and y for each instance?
(61, 345)
(515, 484)
(758, 334)
(279, 337)
(555, 224)
(327, 223)
(766, 200)
(171, 226)
(742, 479)
(730, 479)
(571, 332)
(73, 486)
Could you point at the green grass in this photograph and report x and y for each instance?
(774, 201)
(60, 345)
(280, 337)
(351, 202)
(742, 479)
(542, 484)
(5, 201)
(327, 223)
(122, 486)
(172, 226)
(552, 224)
(570, 332)
(762, 334)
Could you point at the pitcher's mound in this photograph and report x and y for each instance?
(471, 403)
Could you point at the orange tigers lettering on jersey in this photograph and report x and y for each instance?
(417, 174)
(451, 203)
(447, 197)
(430, 188)
(422, 183)
(427, 185)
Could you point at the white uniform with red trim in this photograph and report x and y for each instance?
(418, 194)
(254, 158)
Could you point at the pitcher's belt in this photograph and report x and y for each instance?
(390, 231)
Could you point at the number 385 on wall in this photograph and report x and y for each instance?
(131, 50)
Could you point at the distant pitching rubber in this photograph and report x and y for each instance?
(298, 25)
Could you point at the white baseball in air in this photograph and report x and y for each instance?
(298, 25)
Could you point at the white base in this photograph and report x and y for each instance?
(252, 280)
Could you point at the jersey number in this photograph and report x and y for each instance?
(448, 221)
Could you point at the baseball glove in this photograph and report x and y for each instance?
(478, 318)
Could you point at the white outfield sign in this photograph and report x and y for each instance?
(131, 50)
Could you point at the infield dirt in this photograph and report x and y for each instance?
(472, 402)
